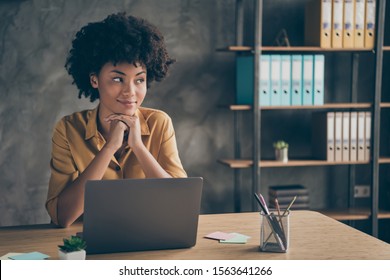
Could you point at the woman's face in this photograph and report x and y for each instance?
(122, 88)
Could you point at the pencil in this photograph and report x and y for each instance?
(280, 217)
(289, 206)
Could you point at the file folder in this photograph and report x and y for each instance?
(265, 87)
(361, 134)
(275, 80)
(318, 22)
(348, 26)
(319, 75)
(307, 94)
(345, 136)
(330, 155)
(369, 30)
(244, 80)
(337, 24)
(359, 23)
(285, 80)
(296, 79)
(353, 137)
(323, 134)
(367, 139)
(338, 132)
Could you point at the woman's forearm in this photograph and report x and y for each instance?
(149, 164)
(71, 200)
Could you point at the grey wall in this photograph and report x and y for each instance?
(35, 92)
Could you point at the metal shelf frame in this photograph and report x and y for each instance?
(376, 120)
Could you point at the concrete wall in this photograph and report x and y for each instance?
(35, 92)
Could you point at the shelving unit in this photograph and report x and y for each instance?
(373, 213)
(325, 106)
(290, 49)
(246, 163)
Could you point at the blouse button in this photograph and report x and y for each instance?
(117, 168)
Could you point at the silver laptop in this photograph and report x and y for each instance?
(141, 214)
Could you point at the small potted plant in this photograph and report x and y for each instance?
(281, 150)
(73, 249)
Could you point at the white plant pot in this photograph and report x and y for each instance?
(281, 155)
(76, 255)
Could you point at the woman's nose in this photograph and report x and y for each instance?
(128, 89)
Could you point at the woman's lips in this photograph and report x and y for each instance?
(127, 102)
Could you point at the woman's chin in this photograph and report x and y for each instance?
(127, 112)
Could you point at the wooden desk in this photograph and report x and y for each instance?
(312, 236)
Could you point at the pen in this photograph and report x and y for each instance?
(261, 204)
(264, 203)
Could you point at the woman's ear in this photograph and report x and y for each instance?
(94, 80)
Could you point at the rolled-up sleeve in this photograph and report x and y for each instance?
(63, 170)
(168, 156)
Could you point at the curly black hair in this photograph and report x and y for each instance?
(118, 38)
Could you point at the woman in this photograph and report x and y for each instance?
(115, 61)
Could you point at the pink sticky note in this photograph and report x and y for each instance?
(220, 235)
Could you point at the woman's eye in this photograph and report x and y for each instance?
(117, 79)
(140, 81)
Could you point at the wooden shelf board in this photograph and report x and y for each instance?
(384, 160)
(325, 106)
(240, 107)
(384, 214)
(235, 49)
(236, 163)
(291, 49)
(353, 214)
(246, 163)
(385, 105)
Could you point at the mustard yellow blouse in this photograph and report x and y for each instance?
(76, 141)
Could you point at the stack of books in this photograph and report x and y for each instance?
(286, 194)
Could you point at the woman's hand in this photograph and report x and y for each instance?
(132, 125)
(116, 134)
(149, 164)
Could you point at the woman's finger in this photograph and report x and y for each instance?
(128, 120)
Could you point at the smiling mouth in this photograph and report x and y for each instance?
(127, 102)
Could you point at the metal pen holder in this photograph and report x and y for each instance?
(274, 232)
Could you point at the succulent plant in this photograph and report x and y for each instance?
(74, 243)
(280, 144)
